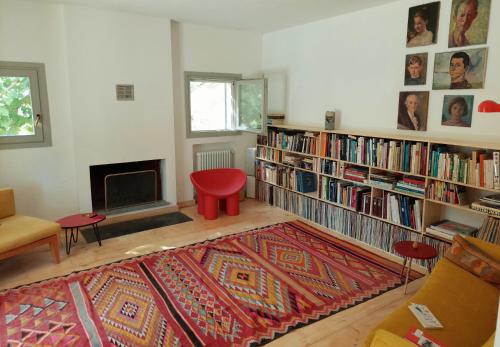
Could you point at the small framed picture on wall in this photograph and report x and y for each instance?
(464, 69)
(416, 69)
(457, 110)
(423, 22)
(469, 22)
(412, 111)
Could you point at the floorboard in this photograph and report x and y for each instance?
(347, 328)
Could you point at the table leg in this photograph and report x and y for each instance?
(429, 266)
(68, 244)
(97, 233)
(408, 274)
(404, 266)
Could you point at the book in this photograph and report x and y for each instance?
(419, 338)
(425, 316)
(486, 209)
(496, 170)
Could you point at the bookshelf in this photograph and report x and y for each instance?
(430, 179)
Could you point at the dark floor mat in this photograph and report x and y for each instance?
(135, 226)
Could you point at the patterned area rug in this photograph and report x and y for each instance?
(240, 290)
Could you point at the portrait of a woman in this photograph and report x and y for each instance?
(457, 110)
(422, 25)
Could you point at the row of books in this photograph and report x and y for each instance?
(355, 173)
(266, 172)
(480, 169)
(490, 230)
(446, 192)
(446, 229)
(371, 231)
(289, 178)
(326, 166)
(346, 194)
(387, 154)
(303, 141)
(399, 209)
(269, 154)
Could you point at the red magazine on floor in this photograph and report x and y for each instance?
(419, 338)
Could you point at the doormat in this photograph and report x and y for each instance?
(134, 226)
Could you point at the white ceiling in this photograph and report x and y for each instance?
(252, 15)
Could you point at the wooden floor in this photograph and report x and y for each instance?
(347, 328)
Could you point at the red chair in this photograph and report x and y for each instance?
(218, 184)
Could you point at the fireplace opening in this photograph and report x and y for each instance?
(123, 185)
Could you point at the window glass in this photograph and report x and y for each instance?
(16, 109)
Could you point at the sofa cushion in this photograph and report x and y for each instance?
(463, 303)
(471, 258)
(16, 231)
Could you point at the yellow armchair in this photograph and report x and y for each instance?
(22, 233)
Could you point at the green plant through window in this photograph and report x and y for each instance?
(16, 110)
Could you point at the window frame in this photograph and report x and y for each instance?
(42, 137)
(206, 76)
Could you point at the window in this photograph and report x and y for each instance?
(223, 104)
(24, 113)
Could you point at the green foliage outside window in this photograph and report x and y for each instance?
(250, 103)
(16, 111)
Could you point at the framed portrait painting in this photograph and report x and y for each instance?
(423, 22)
(416, 69)
(469, 22)
(457, 110)
(464, 69)
(412, 111)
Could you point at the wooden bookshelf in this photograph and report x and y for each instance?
(432, 210)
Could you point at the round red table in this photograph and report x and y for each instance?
(421, 251)
(74, 222)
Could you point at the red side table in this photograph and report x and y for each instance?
(73, 223)
(407, 250)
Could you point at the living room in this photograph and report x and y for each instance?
(347, 58)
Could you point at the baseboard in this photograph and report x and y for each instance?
(187, 203)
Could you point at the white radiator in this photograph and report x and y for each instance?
(214, 159)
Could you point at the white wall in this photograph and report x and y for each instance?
(208, 49)
(104, 49)
(355, 63)
(43, 178)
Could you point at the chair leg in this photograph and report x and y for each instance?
(211, 207)
(233, 205)
(201, 203)
(54, 248)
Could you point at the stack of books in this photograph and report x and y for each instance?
(488, 204)
(358, 174)
(383, 180)
(411, 185)
(446, 229)
(275, 118)
(292, 160)
(480, 169)
(447, 192)
(307, 163)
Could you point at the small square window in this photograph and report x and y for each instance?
(24, 116)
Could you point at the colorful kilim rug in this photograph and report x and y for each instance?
(241, 290)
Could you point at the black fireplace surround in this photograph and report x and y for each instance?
(125, 184)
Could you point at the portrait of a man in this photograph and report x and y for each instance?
(413, 110)
(460, 69)
(416, 69)
(469, 22)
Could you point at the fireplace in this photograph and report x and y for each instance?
(122, 185)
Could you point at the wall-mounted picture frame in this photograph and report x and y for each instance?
(413, 109)
(457, 110)
(416, 69)
(469, 21)
(465, 69)
(423, 24)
